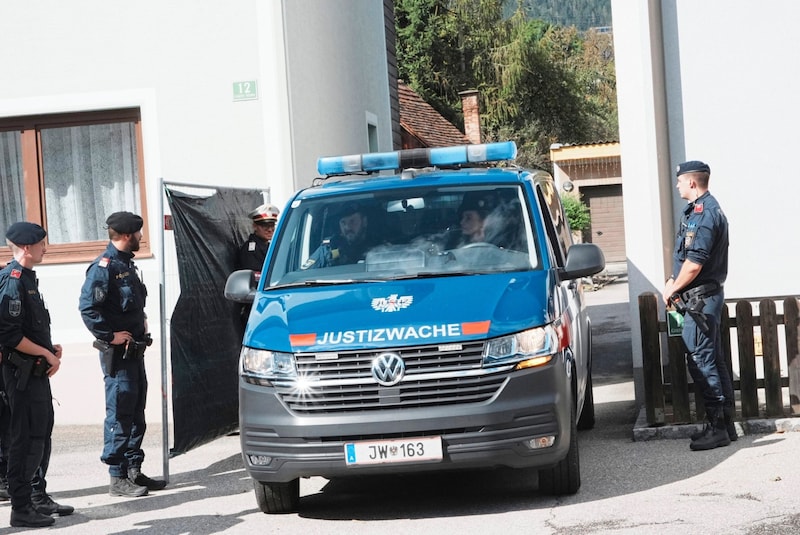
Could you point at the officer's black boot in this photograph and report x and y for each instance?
(716, 434)
(730, 412)
(28, 517)
(697, 434)
(43, 503)
(122, 486)
(138, 478)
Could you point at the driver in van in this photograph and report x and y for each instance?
(349, 246)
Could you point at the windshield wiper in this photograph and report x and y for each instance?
(324, 282)
(435, 274)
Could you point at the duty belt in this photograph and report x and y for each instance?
(702, 290)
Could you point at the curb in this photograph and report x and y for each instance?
(757, 426)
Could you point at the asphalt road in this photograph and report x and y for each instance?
(659, 486)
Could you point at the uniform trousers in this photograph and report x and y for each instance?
(124, 426)
(30, 431)
(706, 359)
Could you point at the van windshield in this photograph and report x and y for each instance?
(424, 232)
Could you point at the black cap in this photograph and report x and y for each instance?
(479, 201)
(693, 166)
(24, 233)
(124, 222)
(348, 208)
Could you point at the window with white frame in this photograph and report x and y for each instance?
(68, 172)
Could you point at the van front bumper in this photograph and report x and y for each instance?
(279, 446)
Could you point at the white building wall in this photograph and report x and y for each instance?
(712, 81)
(177, 61)
(329, 92)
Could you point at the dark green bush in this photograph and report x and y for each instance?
(577, 212)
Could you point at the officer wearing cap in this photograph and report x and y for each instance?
(252, 253)
(700, 267)
(112, 305)
(349, 246)
(29, 360)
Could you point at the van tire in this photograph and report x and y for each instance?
(565, 477)
(277, 497)
(586, 421)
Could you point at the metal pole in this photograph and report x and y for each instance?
(163, 305)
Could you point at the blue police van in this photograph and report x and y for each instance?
(418, 310)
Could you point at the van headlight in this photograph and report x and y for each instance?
(527, 349)
(267, 364)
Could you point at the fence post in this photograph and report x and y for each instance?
(790, 321)
(772, 358)
(747, 365)
(725, 332)
(651, 359)
(679, 386)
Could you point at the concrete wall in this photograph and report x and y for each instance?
(320, 66)
(713, 81)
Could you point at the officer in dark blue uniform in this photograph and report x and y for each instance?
(112, 306)
(29, 360)
(700, 267)
(349, 246)
(5, 439)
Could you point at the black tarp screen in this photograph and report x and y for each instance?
(205, 330)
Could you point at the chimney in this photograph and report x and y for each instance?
(472, 115)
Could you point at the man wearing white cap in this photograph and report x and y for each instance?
(252, 253)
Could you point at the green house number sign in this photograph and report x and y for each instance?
(247, 90)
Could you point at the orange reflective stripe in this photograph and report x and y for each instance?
(298, 340)
(475, 327)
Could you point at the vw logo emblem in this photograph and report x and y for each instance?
(388, 369)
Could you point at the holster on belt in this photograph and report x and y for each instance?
(27, 365)
(107, 354)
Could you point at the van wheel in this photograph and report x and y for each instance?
(586, 421)
(277, 497)
(565, 477)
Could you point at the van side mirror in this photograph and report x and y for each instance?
(583, 260)
(241, 286)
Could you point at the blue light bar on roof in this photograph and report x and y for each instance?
(379, 161)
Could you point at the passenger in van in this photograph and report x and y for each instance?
(504, 228)
(350, 246)
(472, 213)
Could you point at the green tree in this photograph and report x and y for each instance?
(538, 95)
(539, 83)
(443, 47)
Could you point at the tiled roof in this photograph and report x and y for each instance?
(420, 120)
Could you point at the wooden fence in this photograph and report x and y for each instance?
(668, 393)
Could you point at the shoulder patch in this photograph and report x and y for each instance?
(698, 208)
(16, 273)
(99, 294)
(103, 262)
(14, 308)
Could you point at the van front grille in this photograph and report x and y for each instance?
(434, 375)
